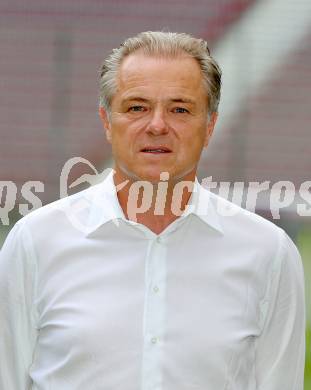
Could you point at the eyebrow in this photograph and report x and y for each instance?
(182, 100)
(136, 99)
(145, 100)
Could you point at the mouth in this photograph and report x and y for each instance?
(156, 150)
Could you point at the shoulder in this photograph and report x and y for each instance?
(62, 214)
(274, 255)
(242, 219)
(249, 229)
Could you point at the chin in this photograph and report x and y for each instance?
(152, 174)
(153, 177)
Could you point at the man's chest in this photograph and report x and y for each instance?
(111, 305)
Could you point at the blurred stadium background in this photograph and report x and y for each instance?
(50, 54)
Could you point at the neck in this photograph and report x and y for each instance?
(155, 205)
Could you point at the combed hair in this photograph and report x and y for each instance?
(162, 44)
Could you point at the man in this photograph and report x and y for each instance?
(158, 290)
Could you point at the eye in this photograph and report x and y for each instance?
(137, 108)
(180, 110)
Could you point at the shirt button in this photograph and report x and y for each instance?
(154, 340)
(158, 240)
(156, 289)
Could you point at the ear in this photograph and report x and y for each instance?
(210, 127)
(106, 122)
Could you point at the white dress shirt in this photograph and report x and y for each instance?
(90, 300)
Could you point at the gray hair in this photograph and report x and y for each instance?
(165, 44)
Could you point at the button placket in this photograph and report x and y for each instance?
(155, 276)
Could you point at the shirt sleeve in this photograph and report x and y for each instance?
(280, 349)
(17, 313)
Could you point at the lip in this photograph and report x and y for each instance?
(155, 149)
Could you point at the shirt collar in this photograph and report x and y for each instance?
(202, 204)
(105, 207)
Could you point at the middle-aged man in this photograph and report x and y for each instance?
(141, 282)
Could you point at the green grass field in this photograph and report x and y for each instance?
(308, 362)
(304, 245)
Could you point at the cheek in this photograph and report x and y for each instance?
(193, 141)
(133, 122)
(123, 143)
(128, 129)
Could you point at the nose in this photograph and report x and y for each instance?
(157, 124)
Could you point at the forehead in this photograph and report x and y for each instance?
(142, 71)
